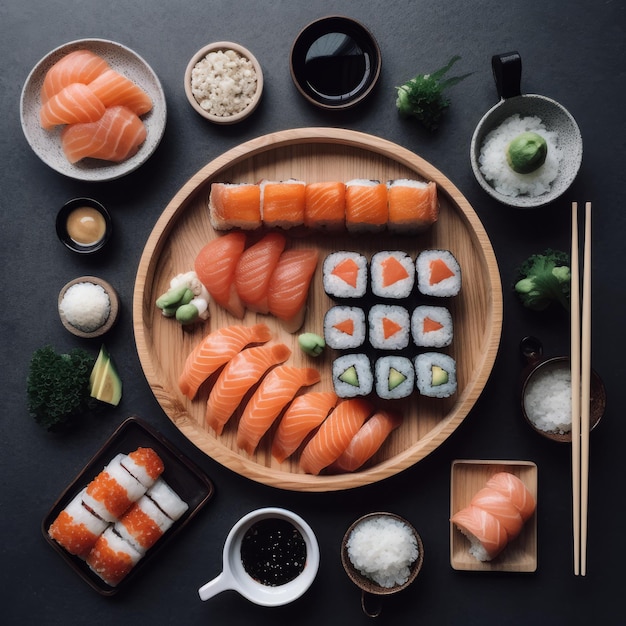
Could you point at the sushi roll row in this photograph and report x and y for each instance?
(387, 327)
(359, 205)
(119, 515)
(391, 274)
(433, 374)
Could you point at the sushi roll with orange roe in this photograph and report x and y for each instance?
(143, 524)
(112, 558)
(325, 205)
(413, 205)
(366, 206)
(144, 464)
(76, 527)
(167, 500)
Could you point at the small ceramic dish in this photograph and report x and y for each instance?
(371, 591)
(235, 575)
(180, 473)
(507, 69)
(47, 144)
(335, 62)
(468, 477)
(537, 366)
(210, 109)
(113, 312)
(84, 225)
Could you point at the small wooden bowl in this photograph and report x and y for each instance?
(113, 313)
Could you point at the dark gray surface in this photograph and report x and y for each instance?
(572, 52)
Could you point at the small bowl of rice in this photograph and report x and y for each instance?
(382, 554)
(224, 82)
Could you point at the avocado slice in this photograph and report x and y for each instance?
(105, 382)
(103, 355)
(350, 376)
(440, 376)
(395, 378)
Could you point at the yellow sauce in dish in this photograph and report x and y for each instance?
(86, 225)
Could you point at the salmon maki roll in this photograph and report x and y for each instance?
(216, 349)
(114, 89)
(325, 205)
(79, 66)
(515, 489)
(143, 524)
(413, 205)
(239, 375)
(235, 205)
(74, 104)
(335, 434)
(215, 266)
(115, 137)
(366, 205)
(282, 203)
(302, 416)
(486, 535)
(254, 270)
(501, 507)
(112, 558)
(276, 390)
(367, 441)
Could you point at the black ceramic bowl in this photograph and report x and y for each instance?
(335, 62)
(103, 223)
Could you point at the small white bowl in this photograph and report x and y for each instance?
(223, 46)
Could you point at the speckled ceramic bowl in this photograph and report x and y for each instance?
(47, 144)
(507, 74)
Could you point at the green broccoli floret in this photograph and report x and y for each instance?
(543, 279)
(58, 386)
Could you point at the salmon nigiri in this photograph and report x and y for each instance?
(254, 270)
(74, 104)
(216, 349)
(288, 286)
(501, 507)
(325, 205)
(113, 88)
(116, 136)
(215, 267)
(413, 205)
(282, 203)
(334, 434)
(276, 390)
(366, 205)
(239, 375)
(304, 414)
(513, 487)
(235, 205)
(79, 66)
(485, 533)
(367, 441)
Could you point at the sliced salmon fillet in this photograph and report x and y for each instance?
(216, 349)
(215, 267)
(235, 205)
(113, 88)
(116, 136)
(282, 203)
(74, 104)
(239, 375)
(485, 533)
(366, 206)
(412, 207)
(367, 441)
(304, 414)
(276, 390)
(501, 507)
(334, 434)
(79, 66)
(325, 205)
(513, 487)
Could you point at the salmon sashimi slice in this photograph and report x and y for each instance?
(348, 270)
(282, 203)
(235, 205)
(334, 434)
(116, 136)
(367, 441)
(501, 507)
(390, 327)
(345, 326)
(486, 535)
(113, 88)
(239, 375)
(276, 390)
(325, 205)
(393, 271)
(413, 205)
(79, 66)
(288, 287)
(513, 487)
(304, 414)
(430, 325)
(439, 270)
(366, 206)
(215, 267)
(254, 270)
(216, 349)
(74, 104)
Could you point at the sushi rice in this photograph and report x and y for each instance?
(339, 321)
(388, 368)
(334, 285)
(438, 316)
(442, 288)
(389, 327)
(400, 288)
(424, 364)
(359, 369)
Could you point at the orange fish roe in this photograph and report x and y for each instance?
(112, 558)
(150, 460)
(141, 526)
(104, 488)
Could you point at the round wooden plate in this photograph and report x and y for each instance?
(317, 154)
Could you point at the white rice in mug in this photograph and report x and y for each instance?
(495, 168)
(383, 548)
